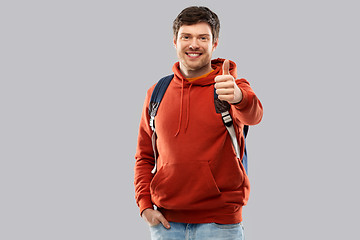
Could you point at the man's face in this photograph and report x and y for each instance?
(194, 47)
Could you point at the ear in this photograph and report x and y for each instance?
(215, 44)
(174, 40)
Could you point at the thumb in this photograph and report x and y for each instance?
(226, 67)
(164, 222)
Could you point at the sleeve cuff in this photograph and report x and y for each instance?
(145, 203)
(243, 101)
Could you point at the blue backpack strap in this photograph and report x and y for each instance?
(155, 100)
(157, 96)
(245, 157)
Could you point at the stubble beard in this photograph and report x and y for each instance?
(198, 66)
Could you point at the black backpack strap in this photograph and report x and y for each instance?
(223, 108)
(155, 100)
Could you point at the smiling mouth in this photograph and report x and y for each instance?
(193, 55)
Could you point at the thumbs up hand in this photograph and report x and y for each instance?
(226, 88)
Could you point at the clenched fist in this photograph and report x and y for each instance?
(226, 88)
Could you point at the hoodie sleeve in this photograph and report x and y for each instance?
(145, 160)
(249, 111)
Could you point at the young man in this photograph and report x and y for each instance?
(200, 185)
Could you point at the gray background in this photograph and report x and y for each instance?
(73, 79)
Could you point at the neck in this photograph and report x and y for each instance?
(193, 73)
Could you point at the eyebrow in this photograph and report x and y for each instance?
(203, 34)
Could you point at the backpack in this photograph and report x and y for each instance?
(222, 107)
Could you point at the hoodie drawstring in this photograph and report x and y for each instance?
(181, 106)
(188, 109)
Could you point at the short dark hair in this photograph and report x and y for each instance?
(193, 15)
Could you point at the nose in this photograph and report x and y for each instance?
(194, 44)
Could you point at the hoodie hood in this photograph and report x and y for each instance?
(216, 64)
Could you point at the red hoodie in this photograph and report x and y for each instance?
(199, 179)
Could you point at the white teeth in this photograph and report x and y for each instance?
(193, 54)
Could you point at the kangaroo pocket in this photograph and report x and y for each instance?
(185, 185)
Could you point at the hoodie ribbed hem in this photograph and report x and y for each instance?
(228, 215)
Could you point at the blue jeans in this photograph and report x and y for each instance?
(205, 231)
